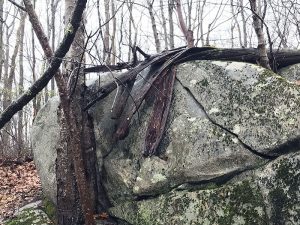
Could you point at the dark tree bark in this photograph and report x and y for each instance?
(70, 116)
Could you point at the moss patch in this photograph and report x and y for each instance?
(241, 203)
(49, 209)
(30, 217)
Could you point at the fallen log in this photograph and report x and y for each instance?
(282, 58)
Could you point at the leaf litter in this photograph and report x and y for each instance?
(19, 185)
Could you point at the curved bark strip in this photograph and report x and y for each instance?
(123, 128)
(160, 112)
(121, 99)
(130, 75)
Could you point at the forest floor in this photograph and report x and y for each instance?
(19, 185)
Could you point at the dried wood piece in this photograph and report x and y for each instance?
(123, 128)
(121, 99)
(137, 100)
(129, 76)
(160, 112)
(108, 68)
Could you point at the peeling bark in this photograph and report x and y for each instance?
(163, 96)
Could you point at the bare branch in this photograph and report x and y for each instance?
(17, 5)
(62, 50)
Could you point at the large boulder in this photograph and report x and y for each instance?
(44, 140)
(229, 154)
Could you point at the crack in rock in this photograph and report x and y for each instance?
(262, 155)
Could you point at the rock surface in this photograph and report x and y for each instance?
(31, 214)
(291, 73)
(269, 195)
(230, 153)
(44, 139)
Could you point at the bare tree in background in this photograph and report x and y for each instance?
(132, 39)
(235, 23)
(8, 89)
(281, 15)
(212, 24)
(164, 23)
(171, 6)
(113, 49)
(154, 26)
(244, 22)
(188, 33)
(200, 34)
(106, 52)
(21, 137)
(1, 37)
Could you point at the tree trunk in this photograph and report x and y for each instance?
(258, 27)
(171, 23)
(113, 36)
(234, 15)
(53, 14)
(21, 87)
(245, 35)
(67, 213)
(37, 99)
(164, 24)
(188, 34)
(106, 52)
(8, 84)
(153, 23)
(1, 37)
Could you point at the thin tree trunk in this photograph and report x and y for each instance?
(129, 5)
(171, 23)
(53, 14)
(258, 27)
(1, 38)
(37, 99)
(21, 86)
(100, 32)
(188, 34)
(164, 24)
(245, 35)
(121, 35)
(106, 52)
(189, 14)
(153, 23)
(113, 36)
(234, 15)
(8, 82)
